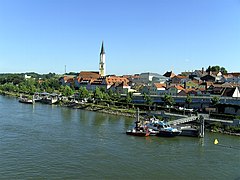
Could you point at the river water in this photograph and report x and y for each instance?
(50, 142)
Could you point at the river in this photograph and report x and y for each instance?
(50, 142)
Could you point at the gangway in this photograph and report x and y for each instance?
(183, 120)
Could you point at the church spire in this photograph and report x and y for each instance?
(102, 64)
(102, 49)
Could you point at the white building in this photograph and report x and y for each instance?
(148, 78)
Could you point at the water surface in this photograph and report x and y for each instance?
(49, 142)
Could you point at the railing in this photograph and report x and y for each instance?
(194, 118)
(183, 120)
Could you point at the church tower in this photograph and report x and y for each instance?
(102, 65)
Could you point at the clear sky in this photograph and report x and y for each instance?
(139, 35)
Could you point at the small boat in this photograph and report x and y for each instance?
(139, 129)
(189, 131)
(26, 100)
(164, 129)
(49, 98)
(135, 132)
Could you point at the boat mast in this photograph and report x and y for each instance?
(137, 118)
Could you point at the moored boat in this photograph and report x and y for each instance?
(140, 129)
(189, 131)
(164, 129)
(25, 99)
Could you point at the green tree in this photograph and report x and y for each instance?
(67, 91)
(216, 69)
(223, 70)
(188, 100)
(97, 94)
(53, 83)
(49, 90)
(83, 93)
(215, 100)
(148, 100)
(114, 96)
(106, 96)
(128, 98)
(9, 87)
(30, 85)
(168, 100)
(23, 88)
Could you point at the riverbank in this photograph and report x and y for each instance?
(114, 110)
(100, 108)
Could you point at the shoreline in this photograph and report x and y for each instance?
(108, 110)
(100, 108)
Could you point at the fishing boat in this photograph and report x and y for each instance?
(164, 129)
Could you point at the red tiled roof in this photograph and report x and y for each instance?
(180, 77)
(234, 74)
(159, 85)
(114, 79)
(179, 87)
(89, 74)
(66, 78)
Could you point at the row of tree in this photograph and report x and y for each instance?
(217, 69)
(17, 78)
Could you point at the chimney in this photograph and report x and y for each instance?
(202, 70)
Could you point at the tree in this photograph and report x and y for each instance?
(97, 94)
(148, 100)
(215, 100)
(114, 96)
(23, 88)
(223, 70)
(67, 91)
(188, 100)
(8, 87)
(168, 100)
(128, 98)
(53, 83)
(83, 93)
(106, 96)
(216, 69)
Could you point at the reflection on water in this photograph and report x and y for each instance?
(201, 141)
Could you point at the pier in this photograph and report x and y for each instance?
(200, 117)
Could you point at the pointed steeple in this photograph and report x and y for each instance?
(102, 49)
(102, 64)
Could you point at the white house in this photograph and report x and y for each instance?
(147, 78)
(157, 89)
(174, 90)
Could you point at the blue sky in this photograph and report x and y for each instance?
(139, 35)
